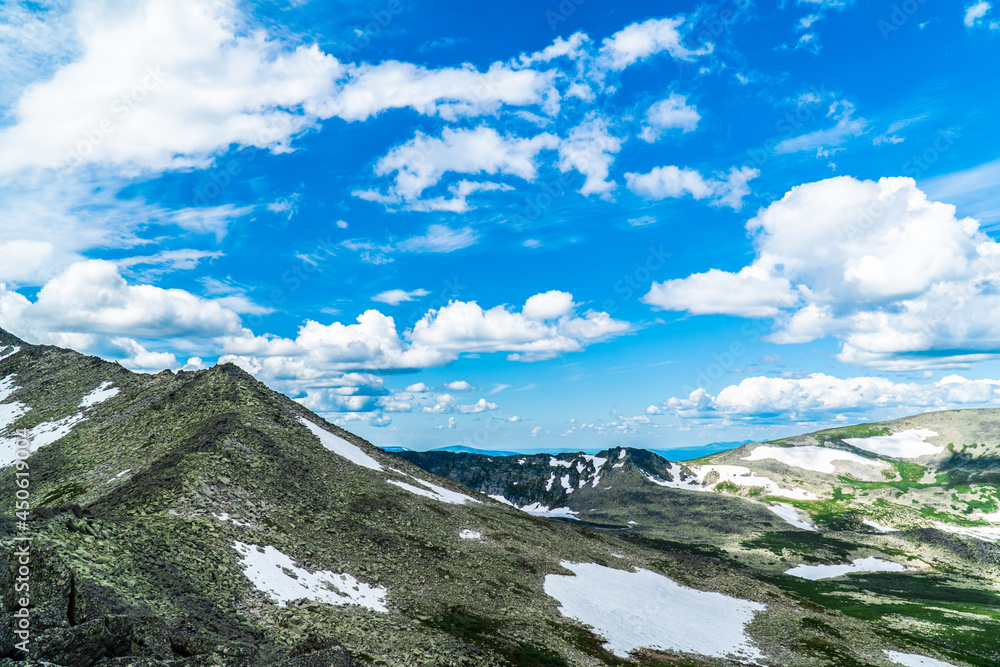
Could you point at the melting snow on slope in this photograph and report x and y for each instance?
(269, 573)
(909, 444)
(790, 515)
(8, 351)
(914, 660)
(342, 447)
(644, 609)
(553, 462)
(99, 395)
(537, 509)
(738, 475)
(814, 572)
(879, 528)
(811, 457)
(436, 492)
(984, 533)
(467, 534)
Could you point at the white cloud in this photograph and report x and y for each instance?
(975, 13)
(421, 162)
(753, 292)
(590, 149)
(824, 142)
(549, 305)
(452, 422)
(394, 297)
(321, 352)
(446, 403)
(93, 297)
(820, 397)
(448, 92)
(138, 358)
(458, 385)
(898, 279)
(673, 182)
(671, 113)
(639, 41)
(184, 81)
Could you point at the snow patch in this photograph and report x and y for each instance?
(436, 492)
(99, 395)
(879, 528)
(598, 461)
(341, 447)
(738, 475)
(565, 484)
(537, 509)
(810, 457)
(790, 515)
(503, 500)
(269, 571)
(224, 516)
(553, 462)
(909, 444)
(914, 660)
(548, 485)
(467, 534)
(643, 609)
(8, 351)
(984, 533)
(815, 572)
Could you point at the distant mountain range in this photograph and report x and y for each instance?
(199, 518)
(677, 454)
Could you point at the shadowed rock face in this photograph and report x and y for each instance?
(181, 520)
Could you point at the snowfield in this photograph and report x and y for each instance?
(909, 444)
(984, 533)
(913, 660)
(643, 609)
(810, 457)
(879, 527)
(790, 515)
(341, 447)
(816, 572)
(269, 572)
(738, 475)
(436, 492)
(99, 395)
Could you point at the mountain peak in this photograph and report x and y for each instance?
(7, 338)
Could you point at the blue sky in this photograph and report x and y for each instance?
(519, 225)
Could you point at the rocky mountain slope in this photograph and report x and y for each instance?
(202, 519)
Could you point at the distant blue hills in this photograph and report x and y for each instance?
(676, 454)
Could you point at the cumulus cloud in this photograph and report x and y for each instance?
(421, 162)
(589, 149)
(446, 403)
(394, 297)
(639, 41)
(674, 182)
(752, 292)
(671, 113)
(974, 14)
(898, 279)
(323, 351)
(458, 385)
(93, 297)
(819, 396)
(183, 82)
